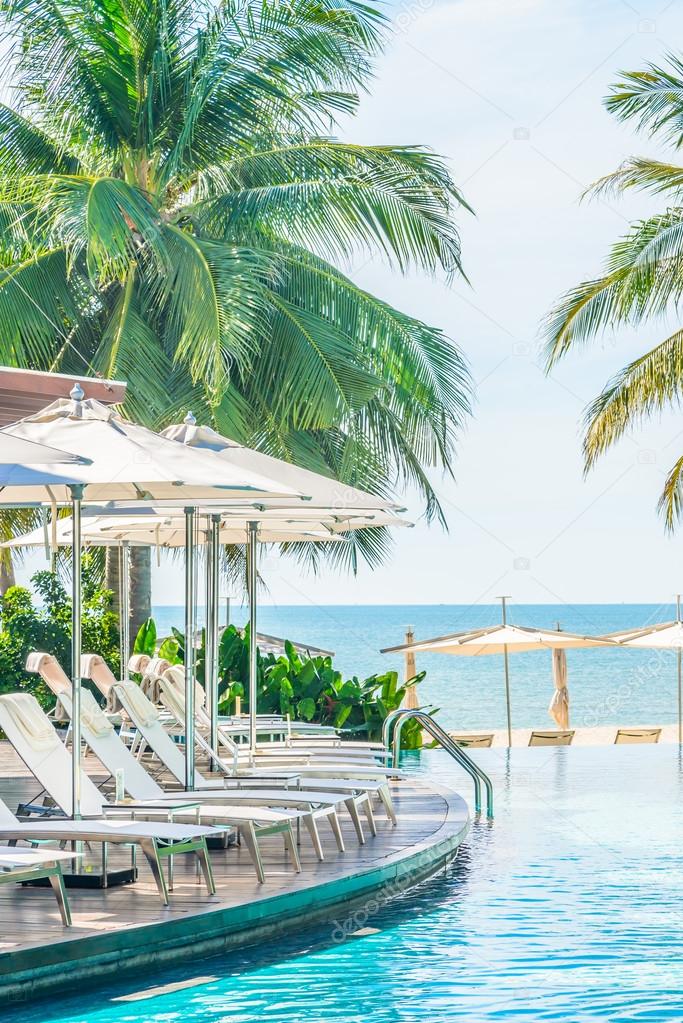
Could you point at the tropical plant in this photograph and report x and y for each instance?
(305, 688)
(46, 626)
(174, 210)
(642, 280)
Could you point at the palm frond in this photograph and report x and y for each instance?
(337, 198)
(653, 98)
(670, 503)
(643, 277)
(647, 385)
(38, 306)
(652, 176)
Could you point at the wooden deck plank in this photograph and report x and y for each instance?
(29, 919)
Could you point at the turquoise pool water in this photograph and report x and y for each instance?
(568, 907)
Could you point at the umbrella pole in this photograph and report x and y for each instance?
(506, 668)
(507, 694)
(212, 612)
(680, 700)
(680, 677)
(76, 498)
(124, 605)
(189, 648)
(253, 681)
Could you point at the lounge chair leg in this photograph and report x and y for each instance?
(370, 814)
(293, 851)
(59, 888)
(248, 833)
(311, 824)
(205, 864)
(149, 848)
(336, 830)
(352, 807)
(385, 797)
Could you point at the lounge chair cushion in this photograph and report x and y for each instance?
(143, 710)
(92, 715)
(30, 720)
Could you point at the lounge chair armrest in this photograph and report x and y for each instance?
(168, 806)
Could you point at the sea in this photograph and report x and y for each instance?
(607, 686)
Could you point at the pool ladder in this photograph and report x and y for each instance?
(396, 721)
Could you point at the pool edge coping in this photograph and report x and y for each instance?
(34, 972)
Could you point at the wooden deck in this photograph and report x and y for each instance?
(129, 923)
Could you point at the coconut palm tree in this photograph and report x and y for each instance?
(642, 280)
(175, 211)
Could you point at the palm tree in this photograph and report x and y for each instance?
(175, 211)
(642, 279)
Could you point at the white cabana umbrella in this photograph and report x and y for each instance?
(322, 491)
(500, 639)
(496, 639)
(139, 463)
(326, 495)
(148, 529)
(559, 704)
(661, 636)
(125, 461)
(19, 453)
(165, 532)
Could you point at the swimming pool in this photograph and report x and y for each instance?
(568, 907)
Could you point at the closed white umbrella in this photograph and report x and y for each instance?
(559, 704)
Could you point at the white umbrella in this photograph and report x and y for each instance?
(559, 704)
(126, 461)
(322, 491)
(661, 636)
(497, 638)
(18, 452)
(167, 532)
(148, 529)
(500, 639)
(325, 494)
(129, 462)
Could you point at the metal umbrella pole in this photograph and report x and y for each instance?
(189, 647)
(76, 498)
(680, 676)
(212, 614)
(124, 605)
(252, 548)
(506, 668)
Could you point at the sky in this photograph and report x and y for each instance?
(510, 92)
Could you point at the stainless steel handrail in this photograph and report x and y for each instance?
(443, 738)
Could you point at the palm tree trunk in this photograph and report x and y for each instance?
(6, 574)
(112, 578)
(140, 588)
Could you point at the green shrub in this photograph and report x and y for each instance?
(29, 625)
(306, 688)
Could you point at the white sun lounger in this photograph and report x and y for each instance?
(318, 743)
(21, 866)
(174, 701)
(145, 716)
(35, 740)
(322, 739)
(248, 812)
